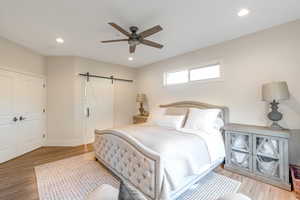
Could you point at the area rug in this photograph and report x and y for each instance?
(74, 178)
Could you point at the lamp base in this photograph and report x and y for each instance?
(276, 126)
(275, 115)
(142, 110)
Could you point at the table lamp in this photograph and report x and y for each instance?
(141, 98)
(273, 93)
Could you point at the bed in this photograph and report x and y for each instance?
(162, 163)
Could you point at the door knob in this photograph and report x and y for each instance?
(22, 118)
(15, 119)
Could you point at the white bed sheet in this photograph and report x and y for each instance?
(214, 141)
(184, 153)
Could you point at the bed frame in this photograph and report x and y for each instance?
(130, 160)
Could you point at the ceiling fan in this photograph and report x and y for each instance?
(135, 38)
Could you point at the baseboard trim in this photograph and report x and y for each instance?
(64, 143)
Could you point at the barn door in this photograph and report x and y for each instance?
(99, 106)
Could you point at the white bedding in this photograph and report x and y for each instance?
(214, 141)
(183, 152)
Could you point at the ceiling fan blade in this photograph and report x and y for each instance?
(121, 40)
(152, 44)
(119, 28)
(132, 48)
(151, 31)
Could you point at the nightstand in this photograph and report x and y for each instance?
(138, 119)
(258, 152)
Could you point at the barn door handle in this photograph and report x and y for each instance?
(87, 112)
(22, 118)
(15, 119)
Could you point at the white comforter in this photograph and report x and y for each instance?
(184, 153)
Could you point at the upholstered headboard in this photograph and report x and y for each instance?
(200, 105)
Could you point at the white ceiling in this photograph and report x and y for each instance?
(188, 25)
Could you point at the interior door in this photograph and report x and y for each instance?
(22, 116)
(99, 94)
(8, 118)
(30, 107)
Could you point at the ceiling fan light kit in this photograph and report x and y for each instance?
(135, 38)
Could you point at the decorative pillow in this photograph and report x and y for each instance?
(203, 119)
(170, 121)
(127, 192)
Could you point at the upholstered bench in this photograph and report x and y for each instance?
(107, 192)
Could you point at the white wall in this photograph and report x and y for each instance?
(60, 101)
(248, 62)
(18, 58)
(65, 92)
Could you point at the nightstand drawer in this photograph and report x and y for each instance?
(138, 119)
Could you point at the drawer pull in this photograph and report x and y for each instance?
(22, 118)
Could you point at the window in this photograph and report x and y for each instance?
(209, 72)
(204, 73)
(172, 78)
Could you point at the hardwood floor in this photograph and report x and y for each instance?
(17, 177)
(258, 190)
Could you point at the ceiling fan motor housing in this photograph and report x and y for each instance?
(133, 29)
(134, 38)
(133, 42)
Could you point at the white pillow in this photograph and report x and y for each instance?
(170, 121)
(203, 119)
(218, 123)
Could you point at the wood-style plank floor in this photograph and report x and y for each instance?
(258, 190)
(18, 182)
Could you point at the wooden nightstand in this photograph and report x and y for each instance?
(138, 119)
(258, 152)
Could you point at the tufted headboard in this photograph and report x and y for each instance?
(200, 105)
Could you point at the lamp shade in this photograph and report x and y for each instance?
(275, 91)
(141, 98)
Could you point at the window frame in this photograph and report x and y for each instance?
(189, 69)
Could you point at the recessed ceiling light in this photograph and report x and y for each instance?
(243, 12)
(60, 40)
(130, 58)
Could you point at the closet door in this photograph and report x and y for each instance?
(22, 120)
(99, 106)
(30, 107)
(8, 118)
